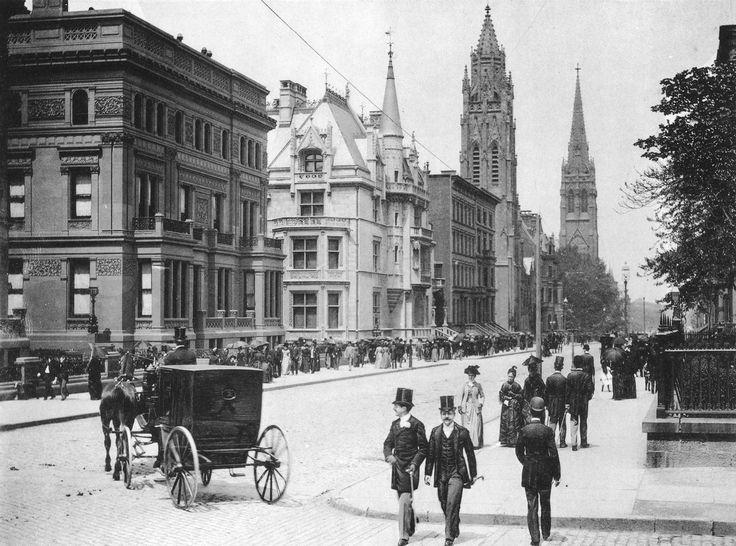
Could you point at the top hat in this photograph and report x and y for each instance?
(536, 404)
(586, 347)
(404, 397)
(447, 403)
(471, 370)
(559, 362)
(180, 335)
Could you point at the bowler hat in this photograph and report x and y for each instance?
(536, 404)
(404, 397)
(471, 370)
(447, 403)
(559, 362)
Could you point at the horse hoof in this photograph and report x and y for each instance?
(108, 468)
(116, 477)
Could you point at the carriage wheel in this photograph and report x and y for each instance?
(181, 467)
(125, 455)
(206, 476)
(272, 464)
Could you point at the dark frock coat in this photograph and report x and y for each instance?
(462, 445)
(537, 453)
(180, 355)
(587, 364)
(579, 389)
(555, 401)
(409, 446)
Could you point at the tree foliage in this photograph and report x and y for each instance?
(594, 304)
(692, 183)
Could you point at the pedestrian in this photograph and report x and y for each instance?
(286, 360)
(127, 367)
(511, 421)
(605, 375)
(537, 453)
(404, 449)
(214, 357)
(579, 390)
(471, 404)
(94, 377)
(587, 362)
(556, 383)
(533, 385)
(50, 373)
(350, 353)
(449, 447)
(64, 377)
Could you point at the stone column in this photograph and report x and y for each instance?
(158, 273)
(260, 291)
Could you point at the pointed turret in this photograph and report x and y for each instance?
(390, 120)
(487, 43)
(577, 150)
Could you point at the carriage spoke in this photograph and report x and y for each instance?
(258, 481)
(279, 473)
(270, 481)
(186, 484)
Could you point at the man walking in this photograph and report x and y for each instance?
(537, 453)
(556, 400)
(449, 447)
(404, 449)
(579, 390)
(587, 362)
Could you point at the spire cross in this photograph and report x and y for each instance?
(390, 43)
(326, 75)
(577, 68)
(488, 10)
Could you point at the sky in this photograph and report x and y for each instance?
(624, 49)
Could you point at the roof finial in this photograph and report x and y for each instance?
(488, 10)
(326, 76)
(577, 68)
(390, 44)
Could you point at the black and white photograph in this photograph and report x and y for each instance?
(368, 272)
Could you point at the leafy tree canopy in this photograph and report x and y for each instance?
(692, 183)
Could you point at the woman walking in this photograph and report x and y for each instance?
(511, 398)
(471, 404)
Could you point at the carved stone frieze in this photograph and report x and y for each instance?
(130, 267)
(117, 138)
(109, 267)
(201, 211)
(43, 267)
(171, 122)
(216, 141)
(45, 109)
(21, 160)
(80, 32)
(149, 164)
(82, 158)
(249, 193)
(20, 37)
(203, 71)
(297, 274)
(189, 131)
(111, 106)
(79, 224)
(220, 80)
(203, 181)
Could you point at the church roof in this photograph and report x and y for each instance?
(390, 119)
(578, 158)
(487, 43)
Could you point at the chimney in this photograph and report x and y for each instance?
(49, 8)
(291, 96)
(726, 44)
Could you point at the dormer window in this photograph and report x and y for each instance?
(312, 161)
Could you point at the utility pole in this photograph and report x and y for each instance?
(538, 294)
(644, 314)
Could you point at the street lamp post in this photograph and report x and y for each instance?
(625, 271)
(92, 327)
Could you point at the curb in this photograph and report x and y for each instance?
(630, 524)
(14, 426)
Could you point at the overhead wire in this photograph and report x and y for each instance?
(350, 82)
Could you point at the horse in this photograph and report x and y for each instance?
(119, 406)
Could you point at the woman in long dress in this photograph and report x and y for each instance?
(511, 398)
(471, 404)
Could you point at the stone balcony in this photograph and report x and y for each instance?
(404, 189)
(159, 226)
(261, 245)
(421, 233)
(334, 222)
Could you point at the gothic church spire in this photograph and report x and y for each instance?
(577, 149)
(487, 43)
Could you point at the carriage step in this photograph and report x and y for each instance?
(235, 474)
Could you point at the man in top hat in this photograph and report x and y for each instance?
(579, 390)
(404, 449)
(452, 459)
(556, 385)
(181, 354)
(537, 453)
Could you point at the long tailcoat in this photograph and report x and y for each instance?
(409, 446)
(537, 453)
(556, 390)
(579, 387)
(462, 445)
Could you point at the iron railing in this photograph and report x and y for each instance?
(147, 223)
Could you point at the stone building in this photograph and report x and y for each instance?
(349, 200)
(462, 215)
(488, 160)
(578, 194)
(137, 185)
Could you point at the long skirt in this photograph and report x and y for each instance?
(624, 386)
(473, 421)
(511, 423)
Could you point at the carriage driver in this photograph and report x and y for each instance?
(181, 354)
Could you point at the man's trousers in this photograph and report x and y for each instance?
(450, 495)
(535, 498)
(561, 423)
(580, 420)
(406, 516)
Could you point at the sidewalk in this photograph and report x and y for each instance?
(27, 413)
(604, 487)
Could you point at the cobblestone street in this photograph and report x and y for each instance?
(55, 489)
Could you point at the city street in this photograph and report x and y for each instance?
(55, 488)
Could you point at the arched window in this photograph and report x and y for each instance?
(250, 154)
(208, 138)
(150, 115)
(494, 164)
(312, 161)
(476, 165)
(179, 127)
(225, 144)
(80, 107)
(243, 151)
(570, 201)
(160, 119)
(583, 201)
(198, 134)
(138, 111)
(258, 155)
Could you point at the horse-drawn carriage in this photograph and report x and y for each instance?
(208, 418)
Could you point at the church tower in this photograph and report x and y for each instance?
(578, 205)
(488, 159)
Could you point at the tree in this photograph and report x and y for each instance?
(593, 301)
(692, 184)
